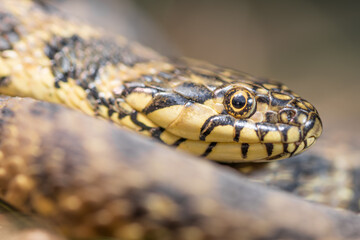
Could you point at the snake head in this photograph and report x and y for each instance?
(225, 115)
(269, 120)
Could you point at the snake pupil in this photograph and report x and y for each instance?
(238, 101)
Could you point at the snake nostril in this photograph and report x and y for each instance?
(287, 115)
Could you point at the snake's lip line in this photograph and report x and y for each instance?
(297, 142)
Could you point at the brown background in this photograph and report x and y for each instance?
(312, 46)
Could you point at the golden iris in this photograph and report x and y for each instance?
(239, 102)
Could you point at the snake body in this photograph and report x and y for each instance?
(210, 111)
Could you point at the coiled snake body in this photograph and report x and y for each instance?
(210, 111)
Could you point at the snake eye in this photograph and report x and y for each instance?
(239, 102)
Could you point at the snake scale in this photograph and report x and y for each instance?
(90, 179)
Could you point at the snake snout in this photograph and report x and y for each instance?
(301, 114)
(313, 126)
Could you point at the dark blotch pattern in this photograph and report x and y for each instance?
(10, 31)
(239, 125)
(299, 170)
(297, 144)
(269, 148)
(133, 117)
(310, 123)
(194, 92)
(82, 60)
(209, 149)
(44, 108)
(289, 113)
(178, 142)
(214, 121)
(263, 99)
(278, 102)
(6, 115)
(156, 133)
(271, 117)
(283, 128)
(7, 112)
(244, 149)
(4, 81)
(264, 128)
(119, 109)
(164, 100)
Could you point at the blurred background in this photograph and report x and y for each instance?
(311, 46)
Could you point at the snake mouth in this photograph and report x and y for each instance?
(233, 152)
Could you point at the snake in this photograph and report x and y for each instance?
(209, 111)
